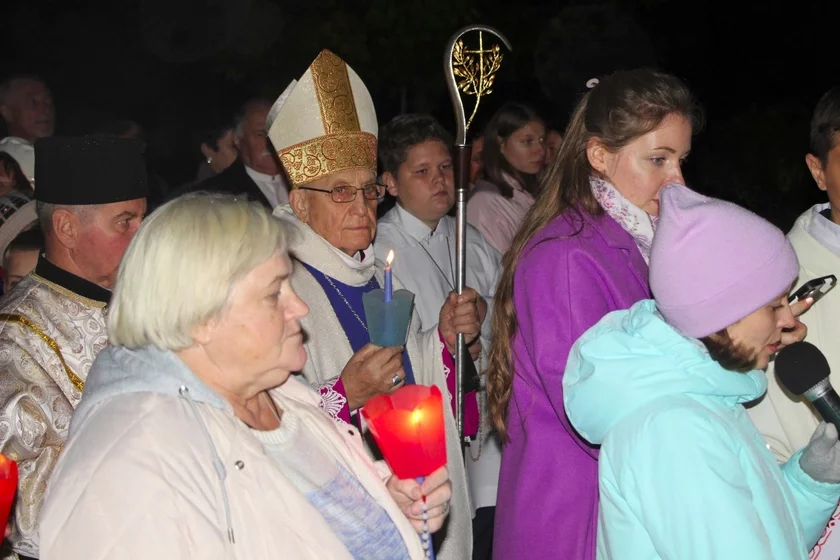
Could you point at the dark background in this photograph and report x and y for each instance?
(175, 66)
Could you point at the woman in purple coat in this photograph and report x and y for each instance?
(581, 252)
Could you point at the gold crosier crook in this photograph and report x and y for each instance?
(473, 72)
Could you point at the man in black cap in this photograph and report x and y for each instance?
(91, 198)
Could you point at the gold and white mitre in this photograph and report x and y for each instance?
(324, 123)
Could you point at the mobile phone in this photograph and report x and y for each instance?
(815, 288)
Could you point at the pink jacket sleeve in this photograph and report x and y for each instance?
(484, 216)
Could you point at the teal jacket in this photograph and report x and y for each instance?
(683, 473)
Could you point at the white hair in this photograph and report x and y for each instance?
(180, 268)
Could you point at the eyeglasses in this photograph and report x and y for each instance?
(347, 193)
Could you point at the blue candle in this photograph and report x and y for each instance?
(389, 287)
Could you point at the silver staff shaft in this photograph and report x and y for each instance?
(480, 82)
(463, 154)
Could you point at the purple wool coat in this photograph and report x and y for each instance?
(564, 283)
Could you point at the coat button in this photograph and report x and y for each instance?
(239, 465)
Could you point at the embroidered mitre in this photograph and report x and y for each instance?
(324, 123)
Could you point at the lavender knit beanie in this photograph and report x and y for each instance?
(713, 263)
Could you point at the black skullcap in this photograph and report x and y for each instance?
(89, 170)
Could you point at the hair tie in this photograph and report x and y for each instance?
(592, 83)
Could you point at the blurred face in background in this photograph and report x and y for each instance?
(524, 149)
(28, 110)
(476, 163)
(553, 141)
(8, 180)
(252, 140)
(16, 265)
(827, 175)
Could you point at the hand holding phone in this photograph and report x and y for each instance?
(814, 289)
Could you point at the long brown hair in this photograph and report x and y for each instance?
(622, 107)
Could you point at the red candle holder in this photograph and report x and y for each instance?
(8, 487)
(408, 427)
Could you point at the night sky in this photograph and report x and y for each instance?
(176, 66)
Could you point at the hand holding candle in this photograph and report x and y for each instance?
(409, 495)
(408, 426)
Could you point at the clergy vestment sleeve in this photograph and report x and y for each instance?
(471, 417)
(334, 399)
(559, 293)
(33, 411)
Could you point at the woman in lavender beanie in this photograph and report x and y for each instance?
(683, 473)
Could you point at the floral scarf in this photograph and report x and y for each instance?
(635, 221)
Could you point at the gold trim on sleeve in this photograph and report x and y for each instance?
(77, 381)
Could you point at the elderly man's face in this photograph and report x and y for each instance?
(259, 333)
(28, 110)
(103, 236)
(348, 226)
(254, 147)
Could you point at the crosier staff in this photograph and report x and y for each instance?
(473, 73)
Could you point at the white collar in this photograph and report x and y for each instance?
(310, 248)
(412, 225)
(826, 232)
(355, 262)
(258, 176)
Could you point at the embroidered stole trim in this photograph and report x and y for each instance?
(77, 381)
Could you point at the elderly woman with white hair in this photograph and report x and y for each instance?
(193, 441)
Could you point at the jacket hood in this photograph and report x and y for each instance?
(632, 358)
(120, 371)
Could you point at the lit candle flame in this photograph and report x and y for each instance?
(390, 258)
(416, 416)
